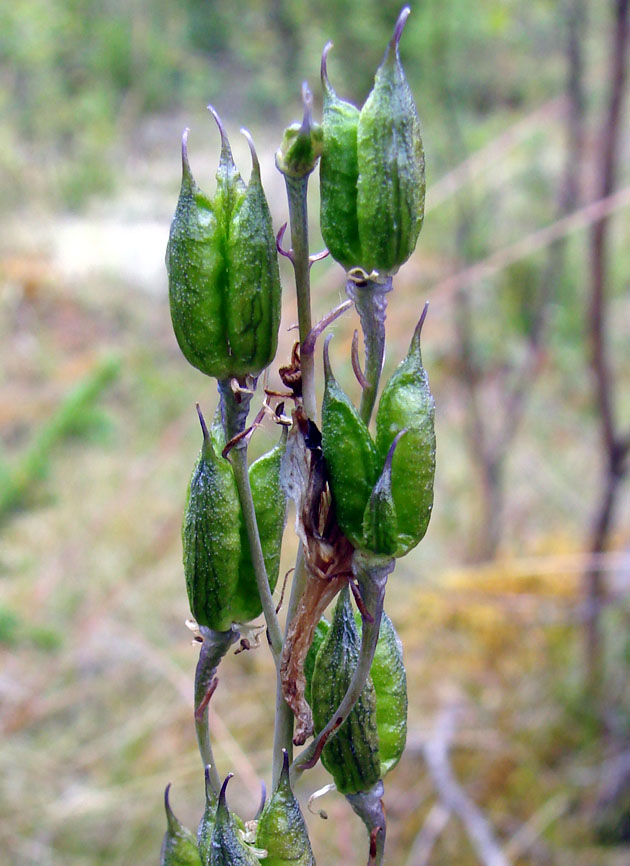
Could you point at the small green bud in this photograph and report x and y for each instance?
(179, 847)
(302, 143)
(281, 829)
(224, 283)
(372, 170)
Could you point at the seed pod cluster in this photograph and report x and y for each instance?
(224, 283)
(372, 170)
(383, 490)
(369, 744)
(219, 572)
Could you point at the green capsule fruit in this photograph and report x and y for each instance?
(281, 828)
(179, 847)
(383, 491)
(390, 685)
(372, 170)
(350, 456)
(227, 848)
(321, 630)
(219, 571)
(224, 283)
(407, 404)
(352, 755)
(211, 538)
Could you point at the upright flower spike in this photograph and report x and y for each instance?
(372, 170)
(281, 829)
(224, 283)
(179, 847)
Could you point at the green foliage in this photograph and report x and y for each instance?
(74, 414)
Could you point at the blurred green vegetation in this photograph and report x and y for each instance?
(78, 75)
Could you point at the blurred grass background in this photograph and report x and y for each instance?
(98, 432)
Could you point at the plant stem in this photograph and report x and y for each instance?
(368, 805)
(241, 475)
(370, 300)
(371, 573)
(214, 647)
(283, 731)
(298, 215)
(234, 409)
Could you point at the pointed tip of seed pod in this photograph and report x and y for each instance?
(387, 466)
(202, 421)
(285, 764)
(400, 26)
(226, 150)
(171, 820)
(324, 67)
(307, 102)
(186, 172)
(415, 340)
(328, 373)
(263, 800)
(252, 150)
(222, 803)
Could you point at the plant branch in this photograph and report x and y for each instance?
(298, 214)
(370, 299)
(214, 647)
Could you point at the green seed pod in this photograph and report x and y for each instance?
(406, 404)
(270, 505)
(372, 170)
(179, 847)
(227, 849)
(219, 571)
(321, 630)
(339, 174)
(208, 820)
(281, 829)
(224, 284)
(211, 538)
(390, 684)
(383, 493)
(350, 456)
(352, 755)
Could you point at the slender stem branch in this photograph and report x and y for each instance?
(241, 475)
(283, 732)
(298, 213)
(371, 574)
(370, 300)
(214, 647)
(368, 805)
